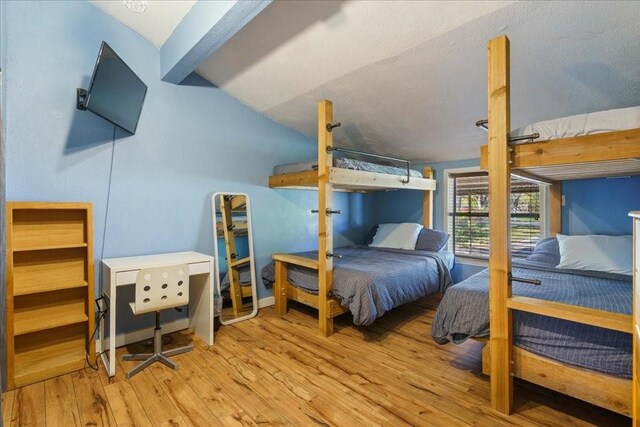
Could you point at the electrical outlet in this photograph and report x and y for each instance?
(102, 304)
(563, 202)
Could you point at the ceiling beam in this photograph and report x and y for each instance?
(207, 26)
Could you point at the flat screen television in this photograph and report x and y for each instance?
(115, 93)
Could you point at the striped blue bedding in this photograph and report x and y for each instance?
(464, 313)
(371, 281)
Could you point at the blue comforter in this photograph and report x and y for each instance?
(464, 313)
(371, 281)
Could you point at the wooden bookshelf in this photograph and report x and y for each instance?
(50, 311)
(47, 354)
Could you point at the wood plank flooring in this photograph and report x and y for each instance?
(282, 372)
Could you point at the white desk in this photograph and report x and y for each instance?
(118, 272)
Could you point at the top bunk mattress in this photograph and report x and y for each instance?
(343, 163)
(583, 124)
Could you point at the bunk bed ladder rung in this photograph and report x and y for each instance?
(330, 127)
(522, 139)
(588, 316)
(328, 211)
(513, 278)
(329, 254)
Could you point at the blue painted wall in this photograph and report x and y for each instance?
(600, 206)
(192, 140)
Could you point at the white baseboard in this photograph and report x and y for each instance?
(146, 333)
(167, 328)
(266, 302)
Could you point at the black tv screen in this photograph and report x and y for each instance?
(116, 93)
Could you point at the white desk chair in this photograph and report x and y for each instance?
(157, 289)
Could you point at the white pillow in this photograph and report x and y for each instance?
(397, 236)
(612, 254)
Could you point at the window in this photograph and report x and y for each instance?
(468, 214)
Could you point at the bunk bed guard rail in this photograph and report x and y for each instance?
(376, 156)
(484, 124)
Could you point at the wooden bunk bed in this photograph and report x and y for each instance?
(230, 229)
(326, 179)
(597, 155)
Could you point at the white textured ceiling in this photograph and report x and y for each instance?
(156, 23)
(408, 79)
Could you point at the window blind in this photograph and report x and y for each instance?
(468, 214)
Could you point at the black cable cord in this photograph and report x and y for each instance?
(106, 213)
(100, 317)
(103, 313)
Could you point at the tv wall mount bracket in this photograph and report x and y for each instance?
(81, 99)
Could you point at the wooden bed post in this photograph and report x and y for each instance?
(555, 209)
(280, 287)
(230, 245)
(325, 222)
(499, 226)
(427, 200)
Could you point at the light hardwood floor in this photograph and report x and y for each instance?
(281, 372)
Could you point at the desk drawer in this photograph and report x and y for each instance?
(199, 268)
(129, 277)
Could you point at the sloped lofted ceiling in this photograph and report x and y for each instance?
(408, 79)
(156, 23)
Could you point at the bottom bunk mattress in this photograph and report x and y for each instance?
(244, 274)
(371, 281)
(464, 313)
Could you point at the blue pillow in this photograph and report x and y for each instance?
(372, 233)
(546, 251)
(431, 240)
